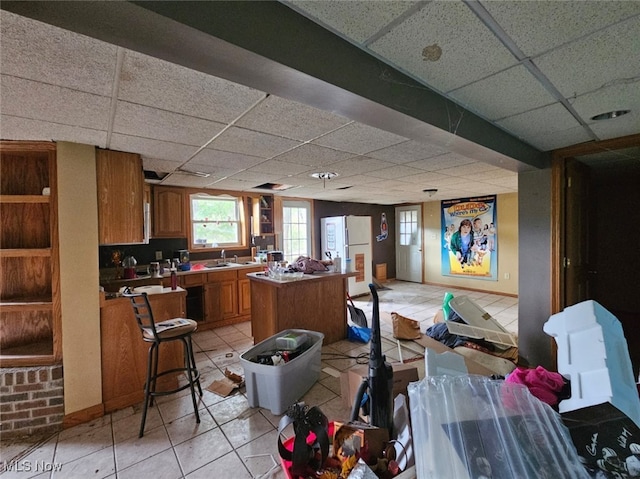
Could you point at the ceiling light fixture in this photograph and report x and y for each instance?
(324, 176)
(431, 191)
(610, 115)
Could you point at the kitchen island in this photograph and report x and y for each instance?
(124, 353)
(316, 302)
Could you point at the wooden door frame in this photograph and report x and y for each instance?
(558, 182)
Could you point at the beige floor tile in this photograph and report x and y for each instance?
(99, 464)
(202, 449)
(227, 465)
(231, 408)
(243, 429)
(161, 466)
(186, 427)
(134, 450)
(83, 444)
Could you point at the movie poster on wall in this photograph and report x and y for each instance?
(470, 240)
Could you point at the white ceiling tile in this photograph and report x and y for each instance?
(397, 171)
(16, 128)
(551, 140)
(313, 156)
(625, 96)
(225, 159)
(407, 151)
(504, 94)
(158, 165)
(183, 179)
(358, 164)
(493, 175)
(539, 26)
(290, 119)
(153, 82)
(505, 182)
(606, 53)
(470, 169)
(283, 168)
(358, 20)
(359, 138)
(427, 178)
(35, 100)
(248, 142)
(469, 51)
(233, 185)
(61, 57)
(148, 122)
(255, 177)
(442, 161)
(535, 123)
(162, 150)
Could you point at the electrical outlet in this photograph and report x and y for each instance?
(158, 255)
(507, 276)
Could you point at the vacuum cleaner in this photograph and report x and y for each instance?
(375, 394)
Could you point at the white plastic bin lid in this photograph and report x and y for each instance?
(480, 324)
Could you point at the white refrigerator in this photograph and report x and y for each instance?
(350, 237)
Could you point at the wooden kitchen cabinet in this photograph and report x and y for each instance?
(263, 215)
(30, 308)
(221, 297)
(244, 290)
(169, 213)
(120, 181)
(124, 354)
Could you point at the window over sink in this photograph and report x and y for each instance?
(216, 221)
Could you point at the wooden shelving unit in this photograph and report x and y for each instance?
(30, 312)
(263, 215)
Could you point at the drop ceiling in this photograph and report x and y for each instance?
(395, 97)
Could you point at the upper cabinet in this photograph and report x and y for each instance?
(29, 266)
(169, 214)
(120, 197)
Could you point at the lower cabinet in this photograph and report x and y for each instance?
(225, 296)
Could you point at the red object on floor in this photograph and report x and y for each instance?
(288, 444)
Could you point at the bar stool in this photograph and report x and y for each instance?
(176, 329)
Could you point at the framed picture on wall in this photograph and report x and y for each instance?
(470, 238)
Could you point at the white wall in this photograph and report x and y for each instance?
(79, 277)
(507, 223)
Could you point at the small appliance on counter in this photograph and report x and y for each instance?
(154, 270)
(275, 256)
(183, 256)
(129, 265)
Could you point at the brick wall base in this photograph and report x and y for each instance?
(31, 400)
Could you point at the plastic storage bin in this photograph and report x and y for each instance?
(277, 387)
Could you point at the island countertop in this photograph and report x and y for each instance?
(316, 302)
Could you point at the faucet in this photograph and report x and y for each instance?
(223, 255)
(235, 258)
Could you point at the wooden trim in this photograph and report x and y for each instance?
(21, 146)
(24, 199)
(596, 146)
(431, 283)
(29, 360)
(23, 252)
(558, 180)
(55, 258)
(82, 416)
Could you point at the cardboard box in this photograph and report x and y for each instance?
(351, 379)
(361, 438)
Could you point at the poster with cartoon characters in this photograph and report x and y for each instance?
(469, 233)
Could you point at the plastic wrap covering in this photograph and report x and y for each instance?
(472, 427)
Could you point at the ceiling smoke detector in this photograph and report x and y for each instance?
(610, 115)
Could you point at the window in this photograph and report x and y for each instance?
(215, 220)
(296, 229)
(408, 228)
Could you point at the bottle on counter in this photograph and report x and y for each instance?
(174, 277)
(337, 263)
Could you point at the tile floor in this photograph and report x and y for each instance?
(232, 438)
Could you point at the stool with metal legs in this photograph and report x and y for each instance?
(176, 329)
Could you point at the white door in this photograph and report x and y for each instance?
(409, 243)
